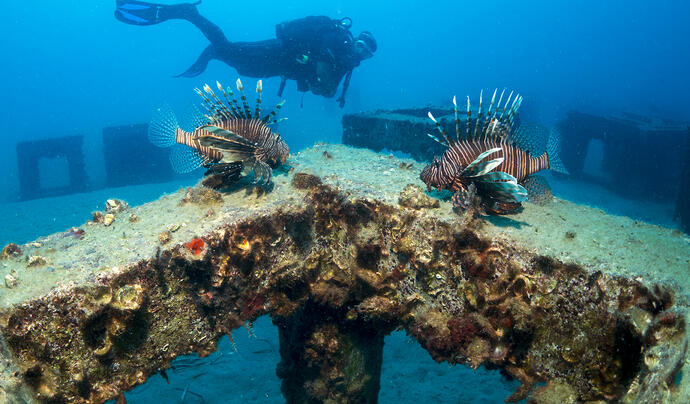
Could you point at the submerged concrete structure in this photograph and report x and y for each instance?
(63, 151)
(344, 249)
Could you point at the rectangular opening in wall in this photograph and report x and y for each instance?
(53, 172)
(593, 165)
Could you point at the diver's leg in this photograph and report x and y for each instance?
(142, 13)
(258, 59)
(201, 62)
(210, 30)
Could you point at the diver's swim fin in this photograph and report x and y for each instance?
(200, 65)
(137, 12)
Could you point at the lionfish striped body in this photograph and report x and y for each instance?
(498, 181)
(228, 140)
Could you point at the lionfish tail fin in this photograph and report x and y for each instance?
(163, 127)
(553, 150)
(185, 159)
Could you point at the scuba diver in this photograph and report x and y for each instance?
(315, 51)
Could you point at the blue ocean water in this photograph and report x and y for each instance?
(69, 67)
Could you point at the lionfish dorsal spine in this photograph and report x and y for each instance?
(234, 105)
(498, 104)
(469, 119)
(513, 109)
(438, 127)
(437, 140)
(243, 97)
(229, 108)
(221, 110)
(259, 90)
(489, 115)
(207, 103)
(267, 119)
(457, 120)
(493, 124)
(479, 114)
(505, 106)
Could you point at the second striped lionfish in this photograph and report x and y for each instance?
(491, 159)
(229, 140)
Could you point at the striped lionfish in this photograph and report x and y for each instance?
(228, 141)
(471, 165)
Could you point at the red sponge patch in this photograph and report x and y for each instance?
(196, 246)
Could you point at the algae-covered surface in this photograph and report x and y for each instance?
(583, 235)
(564, 230)
(569, 232)
(74, 258)
(599, 241)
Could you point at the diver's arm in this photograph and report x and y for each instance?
(346, 84)
(283, 79)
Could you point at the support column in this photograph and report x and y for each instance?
(683, 201)
(324, 361)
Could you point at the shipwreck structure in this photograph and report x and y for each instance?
(62, 152)
(564, 298)
(606, 150)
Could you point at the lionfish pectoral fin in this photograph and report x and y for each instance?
(480, 167)
(223, 175)
(484, 167)
(538, 190)
(502, 186)
(461, 200)
(226, 134)
(234, 168)
(495, 207)
(262, 173)
(233, 146)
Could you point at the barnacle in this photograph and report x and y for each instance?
(115, 206)
(36, 261)
(10, 250)
(164, 237)
(128, 298)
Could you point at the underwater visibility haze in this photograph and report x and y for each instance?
(345, 201)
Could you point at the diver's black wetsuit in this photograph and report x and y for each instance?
(315, 51)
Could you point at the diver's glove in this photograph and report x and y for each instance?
(341, 101)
